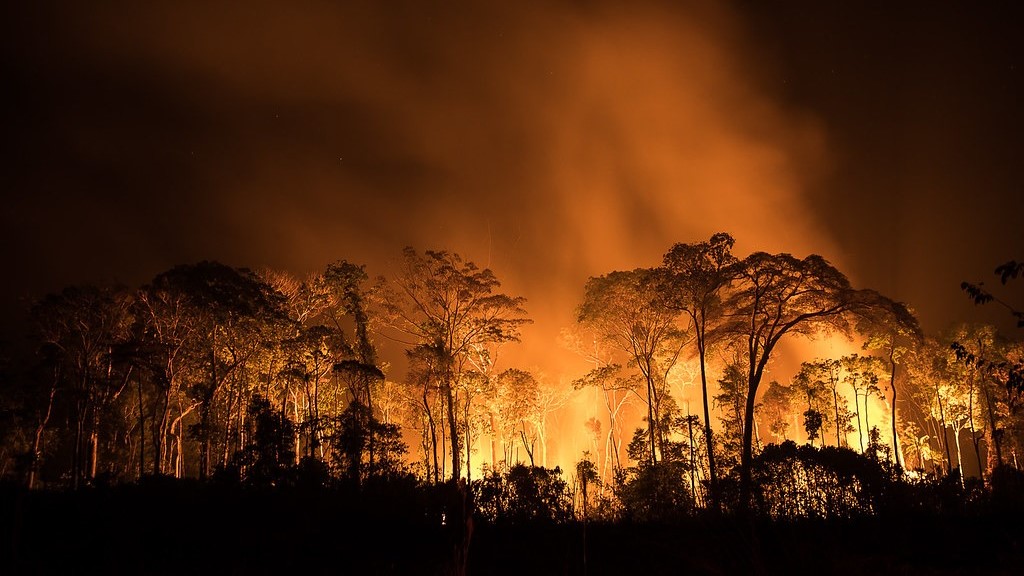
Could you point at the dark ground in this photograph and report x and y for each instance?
(182, 528)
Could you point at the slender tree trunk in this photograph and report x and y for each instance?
(867, 419)
(974, 433)
(160, 432)
(892, 386)
(959, 454)
(835, 399)
(494, 441)
(708, 435)
(651, 423)
(856, 411)
(205, 416)
(76, 468)
(142, 431)
(433, 434)
(37, 441)
(693, 465)
(756, 370)
(204, 444)
(942, 421)
(747, 456)
(468, 442)
(993, 433)
(454, 429)
(920, 454)
(94, 450)
(757, 431)
(179, 453)
(612, 442)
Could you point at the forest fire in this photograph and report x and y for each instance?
(748, 352)
(579, 265)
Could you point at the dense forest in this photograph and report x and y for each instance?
(219, 418)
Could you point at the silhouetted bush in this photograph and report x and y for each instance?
(524, 494)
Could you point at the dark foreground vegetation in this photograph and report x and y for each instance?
(163, 525)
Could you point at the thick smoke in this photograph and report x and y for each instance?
(549, 141)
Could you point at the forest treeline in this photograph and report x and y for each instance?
(228, 376)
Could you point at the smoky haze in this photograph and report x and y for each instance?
(548, 141)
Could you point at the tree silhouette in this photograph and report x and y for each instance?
(980, 295)
(448, 306)
(696, 274)
(86, 329)
(892, 329)
(778, 295)
(624, 309)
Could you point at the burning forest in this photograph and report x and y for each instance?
(546, 287)
(263, 381)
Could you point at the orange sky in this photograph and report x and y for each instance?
(551, 141)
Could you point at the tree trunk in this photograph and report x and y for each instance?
(142, 432)
(37, 441)
(892, 386)
(453, 429)
(708, 437)
(179, 452)
(993, 432)
(959, 455)
(468, 442)
(494, 442)
(94, 449)
(974, 433)
(747, 456)
(651, 423)
(76, 467)
(433, 434)
(204, 444)
(693, 465)
(835, 399)
(942, 421)
(754, 374)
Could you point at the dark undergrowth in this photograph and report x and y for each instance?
(162, 526)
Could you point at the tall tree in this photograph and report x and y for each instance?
(625, 309)
(826, 374)
(816, 393)
(229, 309)
(892, 329)
(447, 305)
(87, 327)
(929, 390)
(166, 335)
(731, 400)
(696, 275)
(611, 385)
(861, 373)
(777, 405)
(779, 294)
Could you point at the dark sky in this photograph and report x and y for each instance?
(551, 141)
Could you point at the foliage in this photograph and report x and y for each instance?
(523, 494)
(366, 448)
(270, 453)
(654, 492)
(625, 310)
(980, 295)
(449, 309)
(806, 482)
